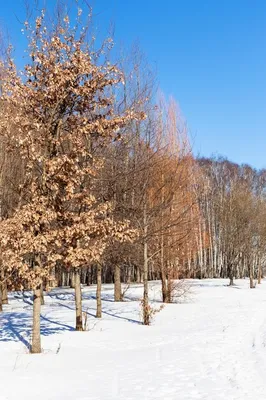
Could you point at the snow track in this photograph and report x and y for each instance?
(212, 347)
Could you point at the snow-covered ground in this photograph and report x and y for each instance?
(212, 347)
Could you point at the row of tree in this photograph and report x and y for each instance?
(98, 182)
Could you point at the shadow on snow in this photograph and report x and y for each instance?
(17, 325)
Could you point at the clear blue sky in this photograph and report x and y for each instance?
(209, 54)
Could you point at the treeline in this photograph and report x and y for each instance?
(222, 236)
(98, 182)
(233, 229)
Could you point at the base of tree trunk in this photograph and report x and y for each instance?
(78, 302)
(117, 284)
(4, 295)
(99, 292)
(36, 334)
(251, 285)
(79, 328)
(146, 315)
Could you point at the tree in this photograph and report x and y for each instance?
(64, 112)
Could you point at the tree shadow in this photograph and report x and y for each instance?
(85, 296)
(112, 314)
(104, 311)
(17, 326)
(207, 284)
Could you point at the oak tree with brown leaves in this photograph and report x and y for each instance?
(64, 109)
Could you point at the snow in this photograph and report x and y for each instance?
(211, 347)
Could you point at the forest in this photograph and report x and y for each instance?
(99, 183)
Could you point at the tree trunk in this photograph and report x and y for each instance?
(117, 279)
(129, 273)
(36, 331)
(72, 280)
(146, 311)
(146, 314)
(163, 274)
(42, 296)
(99, 291)
(251, 277)
(78, 300)
(231, 276)
(169, 297)
(259, 274)
(138, 278)
(4, 294)
(1, 307)
(88, 277)
(251, 283)
(164, 286)
(4, 290)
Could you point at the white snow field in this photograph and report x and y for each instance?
(211, 347)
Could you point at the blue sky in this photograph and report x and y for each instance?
(209, 54)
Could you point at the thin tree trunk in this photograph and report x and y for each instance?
(164, 279)
(78, 301)
(251, 277)
(170, 282)
(138, 278)
(117, 279)
(169, 298)
(164, 286)
(88, 277)
(72, 280)
(163, 274)
(42, 296)
(4, 294)
(36, 331)
(4, 289)
(99, 291)
(259, 274)
(231, 275)
(1, 307)
(146, 313)
(129, 273)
